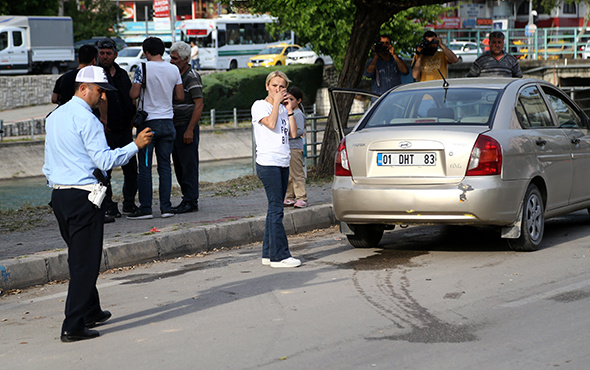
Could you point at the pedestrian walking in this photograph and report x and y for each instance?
(296, 195)
(187, 114)
(273, 122)
(75, 148)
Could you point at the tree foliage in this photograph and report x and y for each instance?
(346, 29)
(29, 7)
(94, 18)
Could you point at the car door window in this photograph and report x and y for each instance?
(565, 113)
(17, 38)
(3, 40)
(531, 109)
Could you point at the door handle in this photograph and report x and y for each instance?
(541, 142)
(575, 141)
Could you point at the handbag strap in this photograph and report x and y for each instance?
(143, 82)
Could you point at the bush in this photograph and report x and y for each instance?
(240, 88)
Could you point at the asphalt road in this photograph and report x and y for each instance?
(431, 298)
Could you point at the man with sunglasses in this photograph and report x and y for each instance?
(118, 111)
(76, 149)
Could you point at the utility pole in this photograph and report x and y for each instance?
(172, 12)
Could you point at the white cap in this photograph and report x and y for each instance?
(94, 75)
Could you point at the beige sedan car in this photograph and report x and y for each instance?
(478, 151)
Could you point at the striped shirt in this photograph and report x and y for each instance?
(193, 89)
(486, 65)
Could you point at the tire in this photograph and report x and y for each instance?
(366, 236)
(319, 61)
(233, 65)
(532, 224)
(278, 64)
(460, 60)
(133, 68)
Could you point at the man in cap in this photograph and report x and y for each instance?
(118, 111)
(76, 149)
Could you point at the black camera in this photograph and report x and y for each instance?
(140, 118)
(380, 47)
(428, 47)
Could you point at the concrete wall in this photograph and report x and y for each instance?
(24, 91)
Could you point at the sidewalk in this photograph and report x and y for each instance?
(39, 256)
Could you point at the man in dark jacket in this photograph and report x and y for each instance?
(119, 111)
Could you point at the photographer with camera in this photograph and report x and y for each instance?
(386, 68)
(76, 149)
(428, 60)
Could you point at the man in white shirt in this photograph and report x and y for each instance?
(195, 62)
(162, 83)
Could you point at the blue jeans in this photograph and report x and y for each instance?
(275, 180)
(186, 164)
(196, 64)
(162, 142)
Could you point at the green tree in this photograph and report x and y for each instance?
(93, 18)
(29, 7)
(342, 25)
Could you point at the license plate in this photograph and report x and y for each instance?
(406, 159)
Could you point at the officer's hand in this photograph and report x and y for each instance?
(144, 138)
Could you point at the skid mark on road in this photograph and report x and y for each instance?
(382, 281)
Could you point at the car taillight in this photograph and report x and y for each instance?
(486, 158)
(341, 165)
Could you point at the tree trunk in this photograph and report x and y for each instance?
(367, 22)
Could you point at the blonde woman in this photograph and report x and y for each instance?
(273, 123)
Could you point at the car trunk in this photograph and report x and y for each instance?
(411, 155)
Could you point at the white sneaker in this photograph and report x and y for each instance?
(266, 261)
(287, 262)
(167, 214)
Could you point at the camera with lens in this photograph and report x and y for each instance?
(140, 118)
(380, 47)
(428, 48)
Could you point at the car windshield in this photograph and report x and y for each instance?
(129, 52)
(455, 46)
(452, 106)
(271, 50)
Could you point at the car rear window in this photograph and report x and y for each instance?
(452, 106)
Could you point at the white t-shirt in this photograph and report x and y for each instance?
(272, 146)
(162, 77)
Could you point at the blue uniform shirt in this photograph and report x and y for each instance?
(389, 75)
(75, 145)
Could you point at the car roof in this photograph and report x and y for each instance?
(480, 82)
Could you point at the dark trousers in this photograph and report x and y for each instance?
(186, 164)
(118, 139)
(274, 243)
(81, 226)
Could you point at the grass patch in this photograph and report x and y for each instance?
(25, 218)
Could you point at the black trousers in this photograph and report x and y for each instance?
(81, 226)
(118, 139)
(186, 164)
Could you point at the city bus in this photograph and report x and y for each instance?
(229, 41)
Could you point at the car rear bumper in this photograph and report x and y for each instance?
(485, 200)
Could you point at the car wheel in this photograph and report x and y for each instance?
(133, 68)
(319, 61)
(533, 222)
(460, 59)
(278, 64)
(233, 64)
(366, 236)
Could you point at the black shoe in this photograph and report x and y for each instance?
(185, 208)
(98, 319)
(79, 335)
(130, 209)
(139, 215)
(113, 213)
(108, 219)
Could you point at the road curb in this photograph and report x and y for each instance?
(22, 272)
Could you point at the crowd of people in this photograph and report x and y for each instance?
(91, 132)
(431, 60)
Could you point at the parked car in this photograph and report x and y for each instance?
(306, 55)
(274, 55)
(477, 151)
(466, 51)
(132, 57)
